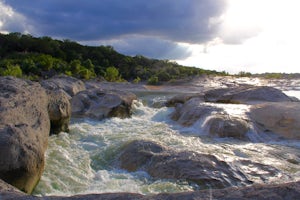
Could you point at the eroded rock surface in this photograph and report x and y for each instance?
(24, 131)
(228, 126)
(162, 162)
(192, 110)
(59, 109)
(280, 118)
(182, 98)
(246, 94)
(100, 104)
(68, 84)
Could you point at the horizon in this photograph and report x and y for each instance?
(223, 35)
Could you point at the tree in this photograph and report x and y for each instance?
(12, 70)
(153, 80)
(75, 66)
(112, 74)
(89, 64)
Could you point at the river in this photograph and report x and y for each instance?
(85, 160)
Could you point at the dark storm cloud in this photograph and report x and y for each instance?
(175, 20)
(149, 27)
(151, 47)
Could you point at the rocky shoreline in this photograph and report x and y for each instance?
(30, 112)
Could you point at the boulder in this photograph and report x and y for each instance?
(181, 99)
(226, 126)
(59, 109)
(161, 162)
(68, 84)
(246, 94)
(138, 153)
(280, 118)
(24, 131)
(100, 104)
(203, 169)
(191, 111)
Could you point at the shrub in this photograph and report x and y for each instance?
(153, 80)
(12, 70)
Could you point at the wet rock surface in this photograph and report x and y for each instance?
(202, 169)
(100, 104)
(286, 191)
(227, 126)
(280, 118)
(24, 131)
(191, 111)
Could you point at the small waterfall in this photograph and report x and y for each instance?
(84, 161)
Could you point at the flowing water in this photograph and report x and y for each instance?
(84, 161)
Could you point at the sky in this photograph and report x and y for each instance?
(254, 36)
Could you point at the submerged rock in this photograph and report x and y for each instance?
(280, 118)
(100, 104)
(246, 94)
(68, 84)
(59, 109)
(161, 162)
(227, 126)
(24, 131)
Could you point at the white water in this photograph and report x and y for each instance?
(84, 161)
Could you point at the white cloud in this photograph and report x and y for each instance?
(256, 36)
(11, 21)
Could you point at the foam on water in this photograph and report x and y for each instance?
(84, 161)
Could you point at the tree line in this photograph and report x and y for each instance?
(23, 55)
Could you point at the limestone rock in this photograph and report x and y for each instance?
(68, 84)
(139, 152)
(181, 99)
(226, 126)
(194, 109)
(246, 94)
(24, 131)
(100, 104)
(280, 118)
(59, 109)
(161, 162)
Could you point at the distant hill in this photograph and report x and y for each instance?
(35, 58)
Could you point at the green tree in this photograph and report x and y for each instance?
(153, 80)
(89, 64)
(137, 80)
(112, 74)
(45, 62)
(12, 70)
(75, 66)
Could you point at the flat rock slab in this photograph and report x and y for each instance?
(246, 94)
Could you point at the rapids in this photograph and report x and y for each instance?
(85, 160)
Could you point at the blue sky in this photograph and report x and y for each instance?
(231, 35)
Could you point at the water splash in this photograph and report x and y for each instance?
(83, 161)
